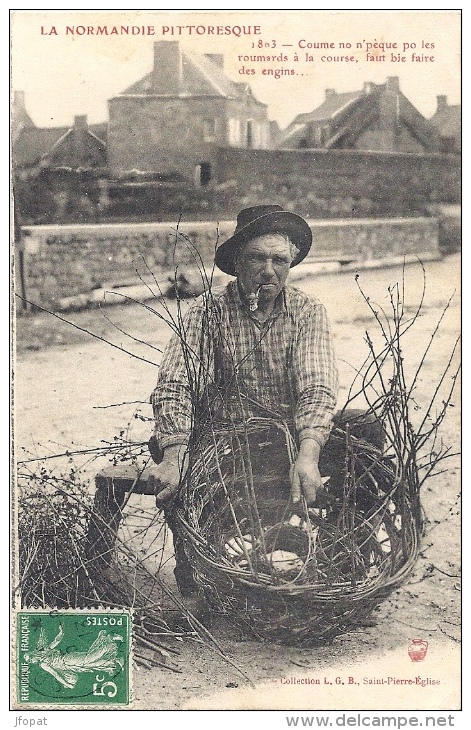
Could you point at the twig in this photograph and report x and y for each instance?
(86, 331)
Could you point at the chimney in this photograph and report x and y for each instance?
(19, 100)
(80, 124)
(392, 83)
(368, 87)
(217, 58)
(167, 74)
(329, 92)
(389, 111)
(19, 116)
(442, 102)
(80, 133)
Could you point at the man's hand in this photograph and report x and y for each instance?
(305, 476)
(167, 475)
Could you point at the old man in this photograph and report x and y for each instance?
(264, 347)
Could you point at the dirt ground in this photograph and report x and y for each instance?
(73, 391)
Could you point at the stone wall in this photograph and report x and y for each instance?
(337, 183)
(314, 183)
(62, 261)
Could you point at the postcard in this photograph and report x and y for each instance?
(236, 241)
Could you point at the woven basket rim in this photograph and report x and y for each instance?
(385, 580)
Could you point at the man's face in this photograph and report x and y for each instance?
(264, 262)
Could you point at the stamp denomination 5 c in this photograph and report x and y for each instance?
(73, 657)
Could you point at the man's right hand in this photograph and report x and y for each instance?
(167, 475)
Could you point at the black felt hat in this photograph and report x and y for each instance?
(258, 220)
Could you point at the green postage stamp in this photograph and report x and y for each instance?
(73, 657)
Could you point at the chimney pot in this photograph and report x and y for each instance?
(330, 92)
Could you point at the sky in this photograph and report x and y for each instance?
(65, 73)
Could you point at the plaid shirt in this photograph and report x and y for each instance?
(228, 365)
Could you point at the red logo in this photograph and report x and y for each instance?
(418, 649)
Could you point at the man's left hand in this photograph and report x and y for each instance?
(305, 476)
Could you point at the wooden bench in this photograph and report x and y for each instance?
(113, 484)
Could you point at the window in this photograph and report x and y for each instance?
(256, 136)
(234, 132)
(249, 138)
(209, 130)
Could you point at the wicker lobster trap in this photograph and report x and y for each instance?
(292, 573)
(304, 574)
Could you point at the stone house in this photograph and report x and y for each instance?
(81, 146)
(377, 118)
(186, 140)
(58, 171)
(172, 119)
